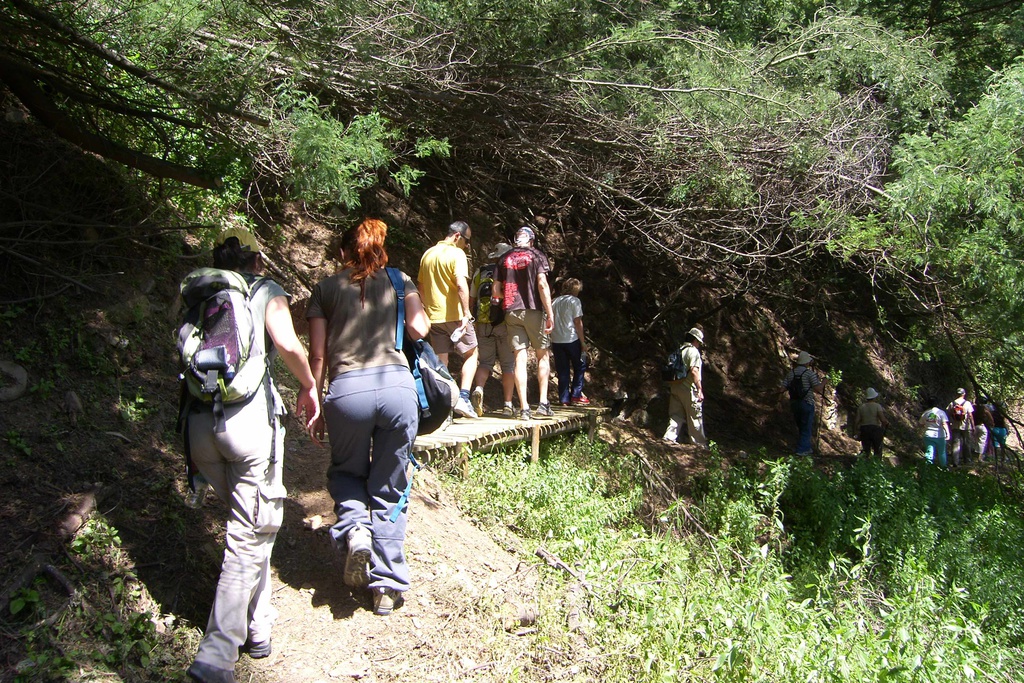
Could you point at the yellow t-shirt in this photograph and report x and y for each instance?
(439, 292)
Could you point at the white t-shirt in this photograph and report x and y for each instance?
(933, 419)
(566, 309)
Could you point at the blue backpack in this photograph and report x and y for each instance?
(675, 369)
(436, 388)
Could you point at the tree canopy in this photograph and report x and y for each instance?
(740, 135)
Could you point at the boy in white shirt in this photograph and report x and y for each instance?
(569, 345)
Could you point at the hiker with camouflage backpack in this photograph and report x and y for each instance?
(236, 322)
(491, 335)
(961, 427)
(800, 384)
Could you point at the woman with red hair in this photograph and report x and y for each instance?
(371, 408)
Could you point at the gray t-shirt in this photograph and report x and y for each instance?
(361, 321)
(258, 306)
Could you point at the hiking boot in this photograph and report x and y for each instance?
(385, 600)
(204, 673)
(257, 650)
(463, 408)
(357, 564)
(544, 410)
(580, 400)
(508, 411)
(476, 399)
(525, 415)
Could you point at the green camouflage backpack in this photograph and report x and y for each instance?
(222, 355)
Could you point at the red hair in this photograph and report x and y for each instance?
(363, 248)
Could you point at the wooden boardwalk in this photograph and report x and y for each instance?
(463, 436)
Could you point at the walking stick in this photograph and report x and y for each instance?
(817, 428)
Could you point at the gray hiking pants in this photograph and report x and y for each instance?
(237, 464)
(372, 415)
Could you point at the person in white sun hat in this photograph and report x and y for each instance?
(686, 395)
(870, 423)
(801, 383)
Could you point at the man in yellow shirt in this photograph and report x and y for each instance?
(444, 290)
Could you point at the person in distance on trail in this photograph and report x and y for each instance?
(491, 335)
(521, 288)
(444, 287)
(870, 424)
(244, 465)
(961, 427)
(936, 434)
(984, 424)
(999, 431)
(686, 395)
(568, 345)
(801, 383)
(371, 409)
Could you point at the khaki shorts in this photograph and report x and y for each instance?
(526, 328)
(440, 338)
(494, 346)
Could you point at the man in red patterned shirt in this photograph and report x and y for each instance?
(521, 287)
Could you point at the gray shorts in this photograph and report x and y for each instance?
(494, 346)
(440, 338)
(526, 328)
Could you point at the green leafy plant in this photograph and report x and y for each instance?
(43, 388)
(17, 442)
(25, 601)
(96, 537)
(133, 409)
(797, 574)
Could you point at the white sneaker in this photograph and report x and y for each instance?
(463, 408)
(477, 399)
(357, 564)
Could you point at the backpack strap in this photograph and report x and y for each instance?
(395, 276)
(398, 283)
(403, 502)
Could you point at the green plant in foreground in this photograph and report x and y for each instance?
(663, 607)
(133, 410)
(108, 633)
(25, 600)
(17, 442)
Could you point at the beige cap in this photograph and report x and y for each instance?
(803, 358)
(245, 238)
(870, 394)
(696, 334)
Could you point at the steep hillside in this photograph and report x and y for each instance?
(90, 271)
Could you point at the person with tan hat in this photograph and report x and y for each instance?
(686, 394)
(870, 423)
(491, 334)
(801, 383)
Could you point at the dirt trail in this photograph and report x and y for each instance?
(464, 585)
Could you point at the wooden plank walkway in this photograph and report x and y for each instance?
(463, 436)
